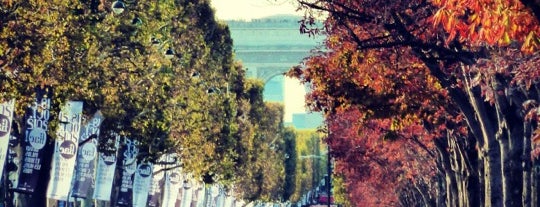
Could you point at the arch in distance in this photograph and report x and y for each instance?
(270, 46)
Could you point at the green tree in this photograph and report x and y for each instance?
(291, 159)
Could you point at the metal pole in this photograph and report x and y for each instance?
(329, 181)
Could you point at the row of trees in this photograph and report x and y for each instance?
(434, 102)
(161, 73)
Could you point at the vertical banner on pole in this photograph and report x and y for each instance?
(187, 192)
(35, 131)
(220, 200)
(172, 184)
(229, 201)
(86, 157)
(196, 194)
(201, 196)
(141, 184)
(106, 168)
(128, 166)
(214, 193)
(154, 196)
(6, 117)
(65, 150)
(180, 196)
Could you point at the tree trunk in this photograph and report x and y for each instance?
(493, 175)
(484, 121)
(506, 171)
(535, 193)
(440, 199)
(527, 167)
(450, 181)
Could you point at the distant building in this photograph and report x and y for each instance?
(269, 47)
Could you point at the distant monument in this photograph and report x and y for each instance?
(269, 47)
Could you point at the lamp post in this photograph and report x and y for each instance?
(329, 177)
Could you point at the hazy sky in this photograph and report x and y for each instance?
(253, 9)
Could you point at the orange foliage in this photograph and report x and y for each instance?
(492, 22)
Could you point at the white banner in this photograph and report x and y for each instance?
(141, 184)
(220, 200)
(201, 195)
(6, 117)
(187, 192)
(229, 201)
(65, 150)
(105, 170)
(157, 177)
(172, 183)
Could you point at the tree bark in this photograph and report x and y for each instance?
(527, 167)
(450, 181)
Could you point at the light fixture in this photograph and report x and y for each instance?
(155, 42)
(169, 54)
(195, 74)
(136, 21)
(118, 7)
(213, 90)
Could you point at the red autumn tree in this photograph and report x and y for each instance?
(374, 162)
(476, 101)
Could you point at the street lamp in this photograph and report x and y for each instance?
(136, 21)
(329, 177)
(118, 7)
(195, 74)
(169, 54)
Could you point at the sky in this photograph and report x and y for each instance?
(253, 9)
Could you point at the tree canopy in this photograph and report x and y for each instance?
(160, 72)
(445, 79)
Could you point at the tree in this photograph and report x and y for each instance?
(309, 170)
(291, 158)
(373, 160)
(161, 73)
(262, 151)
(480, 91)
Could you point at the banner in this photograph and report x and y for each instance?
(128, 166)
(187, 192)
(220, 200)
(229, 201)
(6, 117)
(65, 150)
(172, 184)
(200, 194)
(180, 196)
(141, 184)
(35, 138)
(106, 168)
(154, 196)
(86, 157)
(13, 165)
(213, 194)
